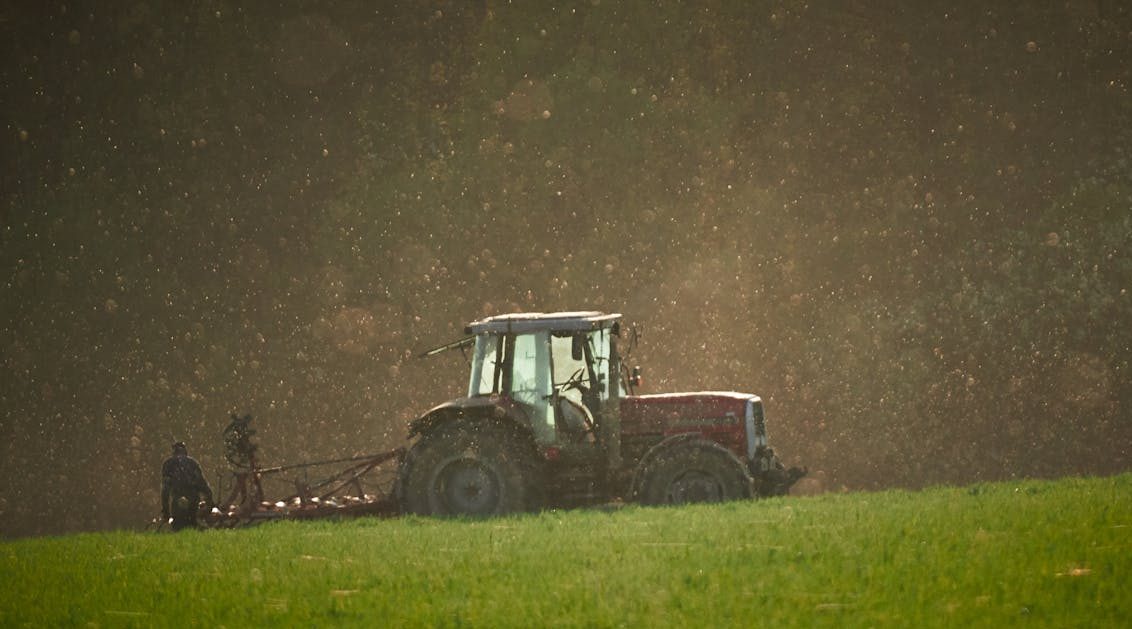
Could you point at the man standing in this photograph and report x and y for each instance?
(182, 485)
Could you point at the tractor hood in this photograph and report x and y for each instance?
(734, 420)
(671, 412)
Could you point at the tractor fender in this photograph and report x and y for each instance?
(675, 441)
(481, 407)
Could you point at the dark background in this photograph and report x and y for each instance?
(907, 228)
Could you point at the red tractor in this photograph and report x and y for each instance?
(550, 420)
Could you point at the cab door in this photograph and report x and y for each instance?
(572, 376)
(528, 381)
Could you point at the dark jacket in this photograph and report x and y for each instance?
(182, 485)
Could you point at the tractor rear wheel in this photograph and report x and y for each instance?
(473, 469)
(690, 472)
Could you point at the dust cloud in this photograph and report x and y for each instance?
(907, 229)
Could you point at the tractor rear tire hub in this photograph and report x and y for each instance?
(465, 485)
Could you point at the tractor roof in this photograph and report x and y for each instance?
(520, 322)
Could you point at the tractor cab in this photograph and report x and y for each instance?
(561, 369)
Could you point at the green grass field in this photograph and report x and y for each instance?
(1049, 554)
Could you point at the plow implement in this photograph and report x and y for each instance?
(332, 488)
(364, 487)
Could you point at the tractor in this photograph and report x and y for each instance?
(551, 420)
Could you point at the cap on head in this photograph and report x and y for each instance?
(180, 447)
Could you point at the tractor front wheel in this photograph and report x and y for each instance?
(691, 472)
(472, 469)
